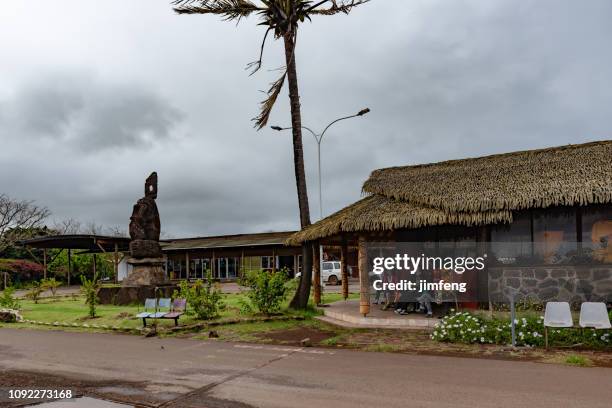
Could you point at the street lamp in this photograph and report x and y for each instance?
(319, 138)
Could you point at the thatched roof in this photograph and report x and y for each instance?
(476, 191)
(566, 175)
(379, 213)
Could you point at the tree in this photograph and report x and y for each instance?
(282, 18)
(19, 219)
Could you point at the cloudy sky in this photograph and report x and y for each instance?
(97, 94)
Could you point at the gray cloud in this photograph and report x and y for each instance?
(445, 79)
(83, 112)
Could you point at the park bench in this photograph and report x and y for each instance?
(154, 309)
(176, 311)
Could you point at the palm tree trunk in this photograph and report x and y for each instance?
(300, 300)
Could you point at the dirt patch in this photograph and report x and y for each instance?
(33, 380)
(293, 337)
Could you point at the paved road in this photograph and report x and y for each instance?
(190, 373)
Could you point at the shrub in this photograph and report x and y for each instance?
(34, 291)
(89, 288)
(21, 270)
(51, 284)
(204, 299)
(7, 300)
(469, 328)
(267, 290)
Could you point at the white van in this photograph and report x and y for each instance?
(330, 273)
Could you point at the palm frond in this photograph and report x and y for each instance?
(256, 65)
(228, 9)
(337, 7)
(261, 120)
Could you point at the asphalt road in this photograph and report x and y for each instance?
(190, 373)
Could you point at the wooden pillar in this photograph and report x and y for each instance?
(273, 260)
(95, 267)
(316, 272)
(344, 268)
(364, 281)
(187, 268)
(69, 266)
(241, 264)
(45, 263)
(116, 263)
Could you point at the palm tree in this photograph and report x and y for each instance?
(282, 18)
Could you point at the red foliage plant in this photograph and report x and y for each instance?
(26, 270)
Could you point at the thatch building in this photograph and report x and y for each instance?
(561, 194)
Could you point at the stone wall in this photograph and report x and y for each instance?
(573, 284)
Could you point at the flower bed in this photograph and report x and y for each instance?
(465, 327)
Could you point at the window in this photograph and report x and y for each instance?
(251, 263)
(227, 268)
(328, 266)
(511, 242)
(267, 263)
(554, 234)
(198, 268)
(597, 233)
(177, 269)
(221, 268)
(232, 268)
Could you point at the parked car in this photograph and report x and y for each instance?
(330, 273)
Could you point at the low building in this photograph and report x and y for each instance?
(226, 257)
(555, 204)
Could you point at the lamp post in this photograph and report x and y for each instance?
(319, 138)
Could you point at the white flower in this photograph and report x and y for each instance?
(482, 339)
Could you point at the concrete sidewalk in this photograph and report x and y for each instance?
(190, 373)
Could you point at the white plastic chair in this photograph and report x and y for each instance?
(557, 314)
(594, 315)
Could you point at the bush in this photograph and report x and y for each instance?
(7, 300)
(468, 328)
(21, 270)
(89, 288)
(267, 290)
(51, 284)
(204, 299)
(34, 291)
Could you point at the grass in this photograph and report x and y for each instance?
(577, 360)
(73, 310)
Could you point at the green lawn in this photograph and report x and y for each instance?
(73, 310)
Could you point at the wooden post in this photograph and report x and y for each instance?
(364, 281)
(45, 263)
(69, 265)
(316, 272)
(95, 267)
(344, 268)
(273, 260)
(187, 268)
(116, 263)
(241, 264)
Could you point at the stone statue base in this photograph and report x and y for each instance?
(146, 272)
(145, 248)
